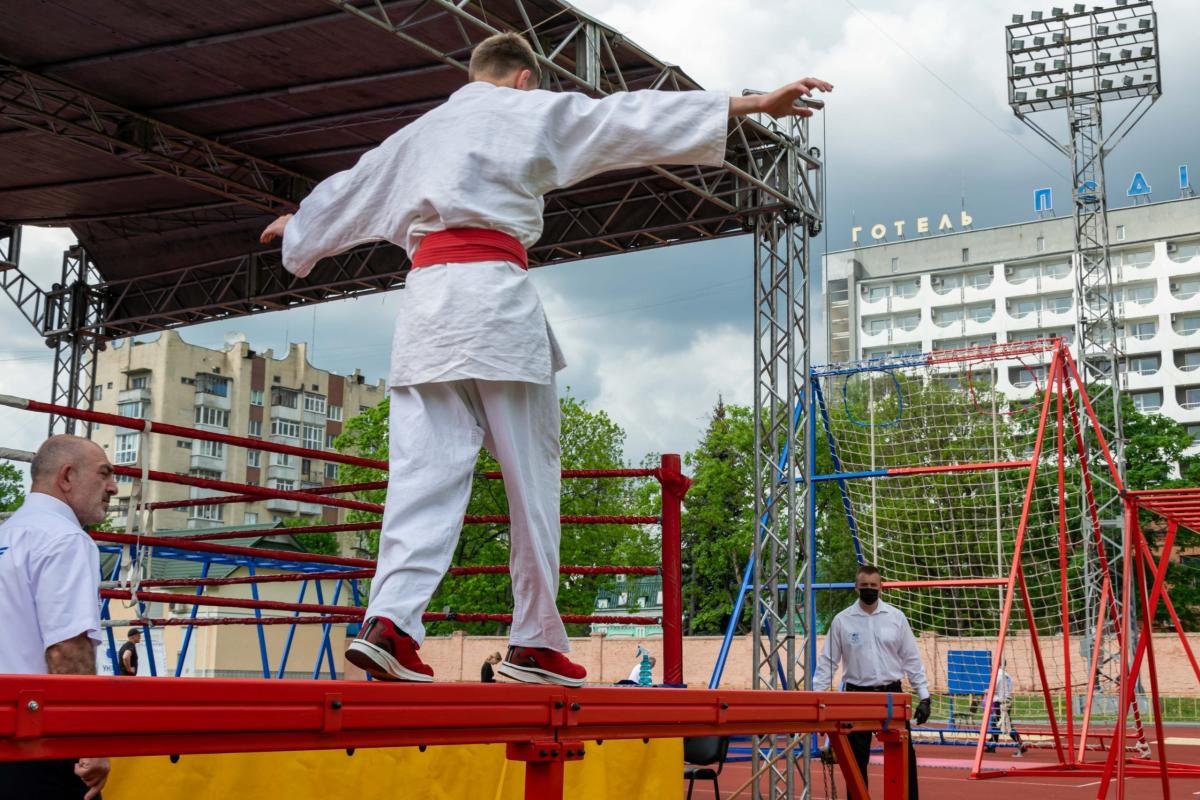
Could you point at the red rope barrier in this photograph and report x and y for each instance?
(249, 498)
(500, 569)
(345, 527)
(225, 549)
(203, 622)
(291, 577)
(348, 611)
(259, 492)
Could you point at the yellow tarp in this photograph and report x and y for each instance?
(616, 770)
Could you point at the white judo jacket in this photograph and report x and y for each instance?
(485, 159)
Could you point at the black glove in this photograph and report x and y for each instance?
(921, 715)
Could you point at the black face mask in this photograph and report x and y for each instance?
(868, 596)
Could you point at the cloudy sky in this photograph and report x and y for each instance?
(918, 125)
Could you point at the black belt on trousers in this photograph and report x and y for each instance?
(894, 686)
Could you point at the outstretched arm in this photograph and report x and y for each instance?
(781, 102)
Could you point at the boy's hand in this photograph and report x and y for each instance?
(274, 230)
(782, 101)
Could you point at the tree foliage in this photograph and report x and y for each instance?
(590, 440)
(12, 487)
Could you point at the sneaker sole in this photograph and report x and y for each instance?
(535, 675)
(380, 664)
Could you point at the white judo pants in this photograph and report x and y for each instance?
(435, 432)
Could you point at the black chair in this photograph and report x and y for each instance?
(702, 753)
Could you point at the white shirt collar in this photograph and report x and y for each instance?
(48, 504)
(857, 608)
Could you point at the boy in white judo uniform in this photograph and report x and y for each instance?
(473, 357)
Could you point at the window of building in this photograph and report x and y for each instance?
(1024, 306)
(1147, 401)
(602, 602)
(1023, 376)
(1142, 329)
(876, 325)
(879, 291)
(641, 602)
(943, 317)
(186, 381)
(329, 437)
(1185, 288)
(212, 384)
(284, 484)
(250, 518)
(184, 443)
(287, 398)
(982, 312)
(123, 478)
(907, 288)
(1194, 429)
(1187, 360)
(1059, 304)
(254, 427)
(895, 264)
(331, 471)
(253, 458)
(1039, 244)
(979, 280)
(97, 393)
(966, 255)
(1145, 365)
(1056, 269)
(210, 513)
(908, 322)
(212, 417)
(1135, 258)
(285, 427)
(305, 466)
(1187, 324)
(139, 380)
(207, 474)
(1188, 396)
(335, 413)
(1023, 273)
(256, 397)
(313, 436)
(314, 403)
(281, 460)
(133, 408)
(210, 449)
(127, 448)
(1120, 233)
(1141, 293)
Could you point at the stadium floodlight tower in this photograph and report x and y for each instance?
(1078, 59)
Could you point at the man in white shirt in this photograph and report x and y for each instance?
(473, 357)
(1001, 717)
(49, 596)
(876, 647)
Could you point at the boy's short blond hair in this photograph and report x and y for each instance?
(501, 55)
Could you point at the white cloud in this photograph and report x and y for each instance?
(656, 385)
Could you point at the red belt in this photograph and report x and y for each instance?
(464, 245)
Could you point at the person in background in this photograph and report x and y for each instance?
(876, 647)
(127, 657)
(486, 673)
(49, 598)
(1001, 719)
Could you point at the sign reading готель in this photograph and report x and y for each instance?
(880, 231)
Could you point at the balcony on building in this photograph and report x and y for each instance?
(212, 391)
(285, 403)
(1187, 360)
(1183, 252)
(140, 395)
(1186, 323)
(1188, 397)
(282, 506)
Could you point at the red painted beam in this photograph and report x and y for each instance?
(60, 716)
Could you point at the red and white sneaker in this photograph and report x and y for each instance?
(541, 665)
(386, 653)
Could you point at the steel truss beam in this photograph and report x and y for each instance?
(74, 307)
(26, 295)
(782, 474)
(48, 105)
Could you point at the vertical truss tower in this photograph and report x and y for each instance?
(783, 486)
(1078, 59)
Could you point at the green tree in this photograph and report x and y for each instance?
(12, 491)
(590, 440)
(718, 520)
(325, 544)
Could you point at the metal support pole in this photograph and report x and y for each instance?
(74, 309)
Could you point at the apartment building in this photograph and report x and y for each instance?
(233, 390)
(1016, 282)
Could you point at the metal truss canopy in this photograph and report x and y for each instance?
(167, 142)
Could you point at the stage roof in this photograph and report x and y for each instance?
(167, 134)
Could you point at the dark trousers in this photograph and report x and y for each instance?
(860, 743)
(40, 780)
